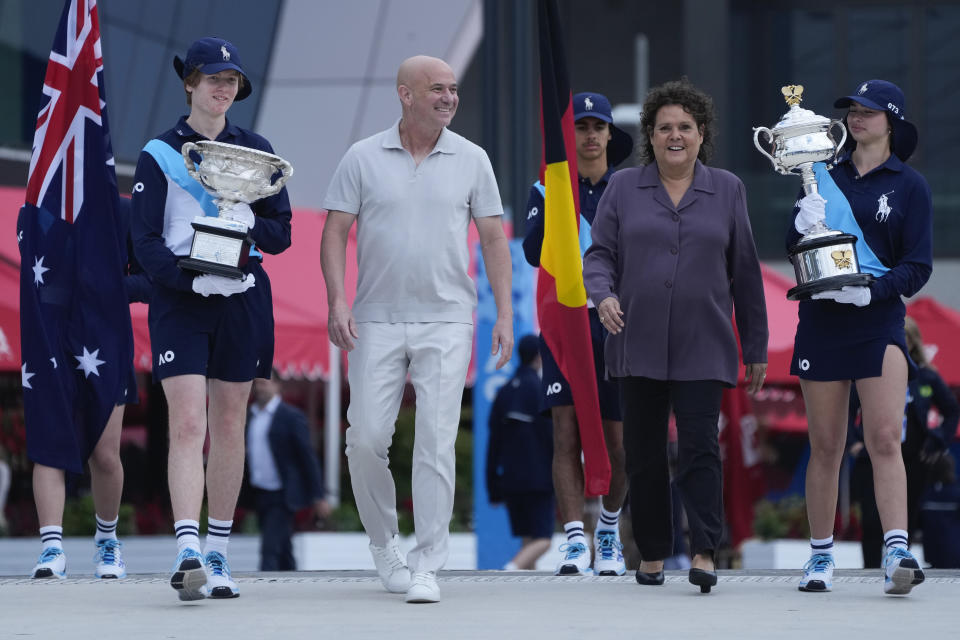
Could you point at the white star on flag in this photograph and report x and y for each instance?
(38, 271)
(25, 376)
(89, 362)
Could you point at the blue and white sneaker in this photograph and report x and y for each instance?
(109, 561)
(219, 582)
(608, 554)
(51, 564)
(188, 575)
(818, 573)
(576, 560)
(902, 572)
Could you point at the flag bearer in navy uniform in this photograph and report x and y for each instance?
(106, 469)
(210, 335)
(601, 146)
(75, 334)
(856, 334)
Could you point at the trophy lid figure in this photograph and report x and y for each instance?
(210, 335)
(857, 333)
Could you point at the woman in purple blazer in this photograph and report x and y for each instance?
(672, 260)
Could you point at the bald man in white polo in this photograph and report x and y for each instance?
(412, 190)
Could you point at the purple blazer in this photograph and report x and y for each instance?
(679, 274)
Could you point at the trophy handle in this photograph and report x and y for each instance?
(843, 134)
(756, 142)
(188, 161)
(286, 170)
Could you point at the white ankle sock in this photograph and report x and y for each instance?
(218, 535)
(821, 545)
(188, 535)
(51, 536)
(106, 529)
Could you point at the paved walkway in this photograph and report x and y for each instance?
(490, 605)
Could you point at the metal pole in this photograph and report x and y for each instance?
(331, 430)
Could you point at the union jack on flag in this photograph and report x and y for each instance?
(76, 340)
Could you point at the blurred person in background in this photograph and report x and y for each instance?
(519, 458)
(283, 471)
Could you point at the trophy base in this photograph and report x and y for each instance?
(213, 268)
(220, 247)
(806, 290)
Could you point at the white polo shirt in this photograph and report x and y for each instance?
(412, 224)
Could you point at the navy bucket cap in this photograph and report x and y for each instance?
(886, 96)
(528, 347)
(209, 56)
(596, 105)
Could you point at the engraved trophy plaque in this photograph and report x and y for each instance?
(823, 259)
(231, 174)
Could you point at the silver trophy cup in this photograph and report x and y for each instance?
(823, 259)
(231, 174)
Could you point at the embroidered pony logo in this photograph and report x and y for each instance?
(224, 52)
(883, 208)
(588, 104)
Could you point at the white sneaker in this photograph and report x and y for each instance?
(188, 575)
(51, 564)
(423, 588)
(391, 565)
(608, 554)
(576, 560)
(818, 573)
(902, 572)
(109, 561)
(220, 583)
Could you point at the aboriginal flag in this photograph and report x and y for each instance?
(561, 296)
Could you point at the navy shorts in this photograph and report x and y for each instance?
(556, 390)
(531, 513)
(842, 342)
(226, 338)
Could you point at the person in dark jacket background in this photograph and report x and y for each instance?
(519, 458)
(283, 470)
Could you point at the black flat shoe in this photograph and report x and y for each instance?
(703, 579)
(651, 579)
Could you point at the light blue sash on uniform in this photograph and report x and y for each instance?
(840, 217)
(586, 239)
(171, 163)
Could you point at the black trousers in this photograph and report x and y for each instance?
(276, 532)
(646, 414)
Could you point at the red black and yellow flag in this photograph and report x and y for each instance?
(561, 296)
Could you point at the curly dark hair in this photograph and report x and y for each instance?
(695, 102)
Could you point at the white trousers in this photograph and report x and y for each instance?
(436, 355)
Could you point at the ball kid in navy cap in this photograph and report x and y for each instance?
(885, 96)
(210, 56)
(596, 105)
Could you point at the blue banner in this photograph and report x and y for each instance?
(495, 544)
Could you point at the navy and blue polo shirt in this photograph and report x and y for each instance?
(892, 206)
(589, 199)
(166, 199)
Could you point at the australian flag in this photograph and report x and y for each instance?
(76, 339)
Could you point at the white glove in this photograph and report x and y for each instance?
(207, 284)
(859, 296)
(241, 212)
(813, 209)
